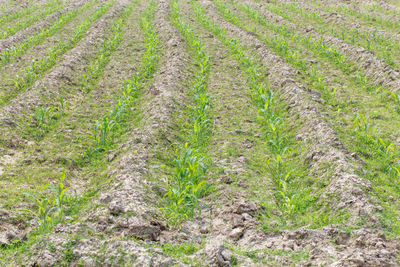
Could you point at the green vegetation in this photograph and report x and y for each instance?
(292, 190)
(30, 74)
(188, 182)
(263, 143)
(50, 209)
(10, 54)
(104, 131)
(19, 14)
(51, 7)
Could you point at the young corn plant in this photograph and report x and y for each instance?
(188, 182)
(187, 186)
(42, 118)
(10, 54)
(373, 144)
(50, 209)
(396, 98)
(11, 30)
(32, 73)
(110, 127)
(270, 119)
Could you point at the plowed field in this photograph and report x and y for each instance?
(199, 133)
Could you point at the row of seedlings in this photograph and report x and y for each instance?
(380, 152)
(95, 70)
(318, 80)
(9, 17)
(44, 116)
(391, 24)
(381, 157)
(371, 40)
(272, 119)
(33, 72)
(113, 124)
(188, 182)
(13, 29)
(50, 209)
(320, 47)
(8, 55)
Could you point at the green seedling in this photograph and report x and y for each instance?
(50, 210)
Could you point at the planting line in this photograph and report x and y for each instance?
(21, 25)
(75, 60)
(380, 41)
(188, 182)
(127, 195)
(30, 74)
(371, 140)
(109, 127)
(347, 56)
(324, 143)
(71, 121)
(389, 23)
(19, 44)
(94, 71)
(11, 16)
(158, 108)
(325, 147)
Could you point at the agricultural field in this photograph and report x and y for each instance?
(199, 133)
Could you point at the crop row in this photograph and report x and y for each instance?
(95, 70)
(380, 151)
(50, 212)
(10, 54)
(318, 80)
(32, 73)
(44, 116)
(384, 22)
(188, 182)
(50, 8)
(272, 119)
(370, 40)
(19, 14)
(112, 125)
(319, 47)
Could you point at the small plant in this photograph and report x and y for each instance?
(109, 127)
(187, 186)
(42, 117)
(63, 105)
(50, 210)
(396, 98)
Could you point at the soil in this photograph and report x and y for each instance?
(117, 217)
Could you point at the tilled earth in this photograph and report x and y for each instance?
(331, 65)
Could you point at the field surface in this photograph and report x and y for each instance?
(199, 133)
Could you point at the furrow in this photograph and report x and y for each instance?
(51, 8)
(324, 146)
(322, 141)
(62, 74)
(19, 11)
(376, 69)
(126, 201)
(77, 116)
(385, 44)
(24, 34)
